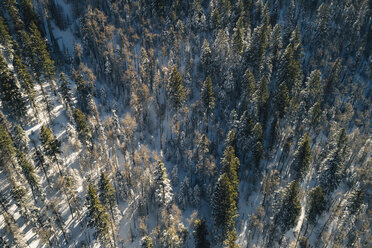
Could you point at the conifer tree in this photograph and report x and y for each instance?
(107, 195)
(258, 149)
(10, 94)
(147, 242)
(163, 188)
(207, 95)
(230, 166)
(64, 87)
(317, 204)
(302, 160)
(26, 79)
(283, 99)
(5, 38)
(28, 170)
(20, 138)
(248, 86)
(224, 208)
(97, 214)
(176, 89)
(50, 143)
(200, 234)
(291, 207)
(7, 151)
(263, 97)
(82, 127)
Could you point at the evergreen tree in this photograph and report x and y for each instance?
(7, 151)
(291, 207)
(50, 143)
(10, 94)
(248, 86)
(317, 204)
(176, 90)
(283, 99)
(107, 195)
(147, 242)
(230, 166)
(207, 96)
(163, 188)
(263, 97)
(5, 38)
(65, 88)
(97, 214)
(200, 234)
(20, 138)
(258, 149)
(224, 208)
(302, 160)
(26, 79)
(82, 127)
(28, 170)
(42, 53)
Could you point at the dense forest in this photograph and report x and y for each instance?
(201, 123)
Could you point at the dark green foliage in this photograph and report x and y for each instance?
(291, 208)
(82, 127)
(258, 150)
(147, 242)
(283, 100)
(316, 203)
(291, 71)
(42, 53)
(5, 38)
(97, 214)
(248, 86)
(107, 195)
(206, 95)
(262, 101)
(50, 143)
(7, 150)
(28, 12)
(64, 87)
(238, 41)
(10, 94)
(224, 208)
(230, 166)
(200, 234)
(25, 78)
(176, 89)
(28, 170)
(303, 157)
(20, 138)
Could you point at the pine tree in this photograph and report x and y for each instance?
(248, 86)
(42, 53)
(107, 195)
(50, 143)
(65, 88)
(258, 149)
(26, 79)
(224, 208)
(82, 127)
(7, 151)
(176, 89)
(21, 140)
(10, 94)
(317, 204)
(263, 97)
(207, 95)
(200, 234)
(5, 38)
(28, 170)
(230, 166)
(163, 189)
(283, 99)
(97, 214)
(291, 207)
(147, 242)
(302, 160)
